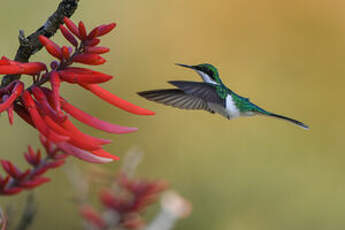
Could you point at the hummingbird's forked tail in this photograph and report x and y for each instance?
(298, 123)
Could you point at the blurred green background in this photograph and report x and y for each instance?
(245, 174)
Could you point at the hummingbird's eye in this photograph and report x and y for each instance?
(211, 74)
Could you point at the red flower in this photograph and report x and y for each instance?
(48, 112)
(17, 180)
(124, 205)
(91, 215)
(115, 100)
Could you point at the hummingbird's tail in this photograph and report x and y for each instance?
(298, 123)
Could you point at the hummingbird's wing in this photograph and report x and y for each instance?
(205, 91)
(176, 98)
(197, 98)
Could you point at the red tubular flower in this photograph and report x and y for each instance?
(10, 67)
(90, 120)
(17, 90)
(94, 121)
(89, 59)
(55, 84)
(82, 154)
(45, 107)
(82, 141)
(68, 125)
(82, 75)
(116, 101)
(23, 113)
(39, 122)
(103, 153)
(32, 68)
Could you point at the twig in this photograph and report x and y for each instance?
(28, 214)
(30, 45)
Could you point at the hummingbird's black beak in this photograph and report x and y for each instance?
(186, 66)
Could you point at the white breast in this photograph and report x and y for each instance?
(231, 108)
(230, 112)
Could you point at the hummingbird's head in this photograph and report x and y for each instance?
(207, 72)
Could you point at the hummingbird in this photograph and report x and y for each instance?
(210, 95)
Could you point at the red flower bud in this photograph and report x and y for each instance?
(89, 59)
(71, 26)
(41, 170)
(92, 42)
(51, 47)
(97, 50)
(11, 169)
(65, 52)
(11, 191)
(89, 214)
(101, 30)
(17, 90)
(33, 158)
(34, 182)
(82, 31)
(108, 199)
(82, 75)
(69, 37)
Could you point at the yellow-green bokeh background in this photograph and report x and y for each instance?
(245, 174)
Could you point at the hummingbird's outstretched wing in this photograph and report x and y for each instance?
(190, 95)
(202, 90)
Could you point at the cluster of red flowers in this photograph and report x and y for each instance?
(17, 180)
(47, 111)
(124, 203)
